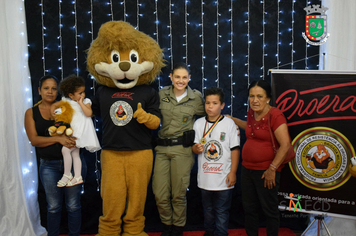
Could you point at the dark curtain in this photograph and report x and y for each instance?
(60, 50)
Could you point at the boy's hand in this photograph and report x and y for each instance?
(198, 148)
(231, 179)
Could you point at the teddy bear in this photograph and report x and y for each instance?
(63, 114)
(124, 62)
(352, 167)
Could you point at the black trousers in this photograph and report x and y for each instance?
(257, 199)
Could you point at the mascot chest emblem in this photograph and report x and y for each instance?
(121, 113)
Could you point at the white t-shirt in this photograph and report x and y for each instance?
(214, 163)
(182, 96)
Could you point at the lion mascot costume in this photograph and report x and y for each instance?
(124, 61)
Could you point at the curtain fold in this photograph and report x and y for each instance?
(19, 212)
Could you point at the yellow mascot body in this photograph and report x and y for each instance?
(124, 61)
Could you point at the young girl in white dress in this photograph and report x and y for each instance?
(73, 90)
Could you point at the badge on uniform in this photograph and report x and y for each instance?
(222, 136)
(165, 99)
(185, 120)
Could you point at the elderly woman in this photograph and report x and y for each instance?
(261, 166)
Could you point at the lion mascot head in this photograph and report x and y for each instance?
(322, 153)
(124, 57)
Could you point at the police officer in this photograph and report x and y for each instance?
(179, 105)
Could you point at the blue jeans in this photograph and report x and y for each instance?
(216, 206)
(50, 173)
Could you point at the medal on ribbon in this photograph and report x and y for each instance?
(203, 140)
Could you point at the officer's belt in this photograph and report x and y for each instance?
(170, 141)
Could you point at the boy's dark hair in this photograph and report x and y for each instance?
(263, 84)
(215, 91)
(70, 84)
(180, 65)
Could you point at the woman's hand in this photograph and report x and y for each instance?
(270, 178)
(66, 141)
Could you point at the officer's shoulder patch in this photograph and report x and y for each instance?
(166, 99)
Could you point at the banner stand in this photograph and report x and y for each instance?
(320, 219)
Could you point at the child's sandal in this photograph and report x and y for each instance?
(62, 183)
(79, 180)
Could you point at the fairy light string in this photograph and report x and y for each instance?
(278, 33)
(248, 43)
(217, 44)
(292, 30)
(60, 37)
(138, 14)
(186, 31)
(263, 39)
(125, 14)
(306, 46)
(112, 10)
(43, 40)
(170, 34)
(157, 35)
(248, 53)
(231, 57)
(76, 37)
(202, 46)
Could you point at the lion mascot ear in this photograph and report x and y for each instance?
(124, 57)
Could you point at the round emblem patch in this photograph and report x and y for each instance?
(213, 150)
(121, 113)
(322, 158)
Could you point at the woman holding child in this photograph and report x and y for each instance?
(37, 121)
(260, 174)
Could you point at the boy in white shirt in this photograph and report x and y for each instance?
(217, 144)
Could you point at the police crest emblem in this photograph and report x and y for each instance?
(315, 25)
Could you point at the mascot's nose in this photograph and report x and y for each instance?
(124, 66)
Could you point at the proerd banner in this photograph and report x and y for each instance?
(320, 108)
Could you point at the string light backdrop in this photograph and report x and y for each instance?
(226, 43)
